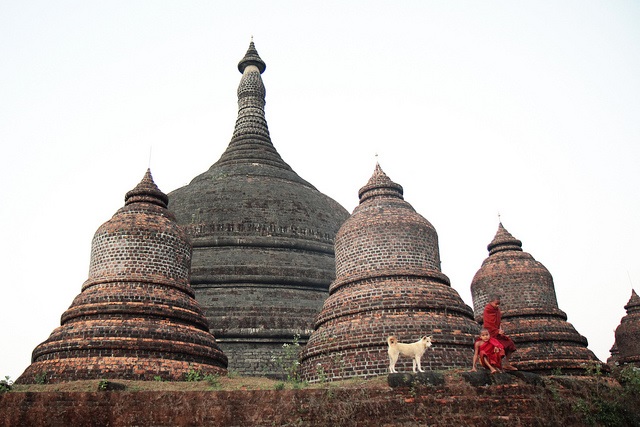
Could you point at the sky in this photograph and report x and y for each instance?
(524, 111)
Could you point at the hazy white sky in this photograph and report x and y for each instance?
(529, 109)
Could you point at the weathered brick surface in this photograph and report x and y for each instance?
(136, 317)
(530, 313)
(628, 334)
(263, 236)
(516, 404)
(388, 283)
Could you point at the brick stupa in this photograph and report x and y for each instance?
(546, 342)
(263, 239)
(136, 317)
(388, 283)
(627, 341)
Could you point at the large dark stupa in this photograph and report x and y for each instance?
(136, 317)
(388, 282)
(262, 237)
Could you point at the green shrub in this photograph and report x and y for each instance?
(629, 377)
(5, 384)
(287, 362)
(41, 378)
(212, 379)
(192, 375)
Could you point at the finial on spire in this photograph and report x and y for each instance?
(380, 185)
(504, 241)
(146, 191)
(252, 58)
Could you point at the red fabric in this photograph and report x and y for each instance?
(487, 349)
(491, 319)
(507, 343)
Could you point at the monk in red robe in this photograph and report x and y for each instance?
(491, 319)
(489, 352)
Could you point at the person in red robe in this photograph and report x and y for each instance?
(491, 319)
(489, 351)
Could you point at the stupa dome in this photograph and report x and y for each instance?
(546, 342)
(388, 282)
(262, 236)
(136, 317)
(628, 334)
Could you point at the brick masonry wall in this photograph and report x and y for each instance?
(522, 282)
(451, 404)
(400, 240)
(267, 359)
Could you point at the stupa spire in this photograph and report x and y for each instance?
(146, 191)
(252, 58)
(380, 185)
(504, 241)
(634, 302)
(251, 141)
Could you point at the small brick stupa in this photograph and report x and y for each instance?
(546, 342)
(136, 317)
(388, 283)
(612, 361)
(262, 238)
(628, 334)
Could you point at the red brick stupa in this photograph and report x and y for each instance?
(546, 342)
(388, 282)
(136, 317)
(628, 334)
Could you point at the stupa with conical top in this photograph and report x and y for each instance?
(388, 282)
(262, 236)
(627, 341)
(545, 341)
(136, 317)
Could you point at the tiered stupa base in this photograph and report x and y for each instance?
(122, 368)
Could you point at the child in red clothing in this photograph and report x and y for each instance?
(489, 351)
(491, 319)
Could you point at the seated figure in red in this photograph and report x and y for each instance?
(491, 319)
(489, 352)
